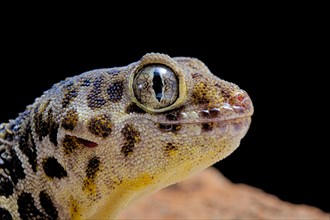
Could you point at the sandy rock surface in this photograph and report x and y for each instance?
(209, 195)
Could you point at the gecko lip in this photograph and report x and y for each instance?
(221, 127)
(201, 121)
(242, 108)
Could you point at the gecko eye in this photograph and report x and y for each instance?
(156, 86)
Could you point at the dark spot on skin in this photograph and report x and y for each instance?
(207, 126)
(169, 127)
(171, 117)
(165, 127)
(11, 171)
(217, 85)
(15, 167)
(100, 126)
(176, 127)
(92, 169)
(70, 121)
(225, 93)
(94, 98)
(98, 83)
(52, 168)
(133, 108)
(127, 148)
(5, 214)
(85, 82)
(169, 148)
(6, 186)
(115, 91)
(196, 75)
(27, 145)
(70, 143)
(94, 101)
(41, 126)
(47, 205)
(27, 209)
(53, 133)
(45, 126)
(53, 127)
(131, 137)
(70, 93)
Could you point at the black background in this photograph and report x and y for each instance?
(272, 59)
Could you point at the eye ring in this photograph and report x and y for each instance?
(155, 60)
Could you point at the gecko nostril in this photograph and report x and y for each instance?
(241, 102)
(165, 127)
(238, 99)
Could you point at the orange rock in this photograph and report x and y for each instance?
(209, 195)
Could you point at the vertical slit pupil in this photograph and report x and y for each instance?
(157, 85)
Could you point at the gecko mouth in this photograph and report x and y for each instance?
(239, 110)
(206, 120)
(231, 118)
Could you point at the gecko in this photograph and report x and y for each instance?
(96, 142)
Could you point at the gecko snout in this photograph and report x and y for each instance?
(241, 103)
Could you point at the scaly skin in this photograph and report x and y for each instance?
(94, 143)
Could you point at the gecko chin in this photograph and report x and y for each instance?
(208, 144)
(202, 146)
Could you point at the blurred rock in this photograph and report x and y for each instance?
(209, 195)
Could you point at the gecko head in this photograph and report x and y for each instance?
(192, 118)
(180, 120)
(128, 131)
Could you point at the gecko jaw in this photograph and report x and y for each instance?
(225, 112)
